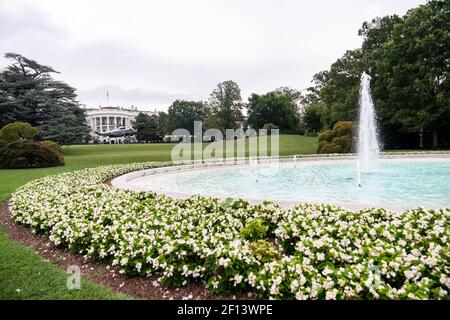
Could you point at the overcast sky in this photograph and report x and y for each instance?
(149, 53)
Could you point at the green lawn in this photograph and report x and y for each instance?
(21, 268)
(84, 156)
(25, 275)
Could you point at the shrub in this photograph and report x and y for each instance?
(345, 142)
(29, 154)
(16, 131)
(52, 144)
(326, 136)
(344, 128)
(320, 145)
(265, 251)
(331, 148)
(255, 229)
(338, 140)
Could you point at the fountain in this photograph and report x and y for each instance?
(368, 145)
(399, 183)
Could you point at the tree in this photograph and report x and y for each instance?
(408, 59)
(277, 108)
(16, 131)
(65, 129)
(148, 128)
(412, 84)
(338, 88)
(183, 113)
(164, 123)
(28, 93)
(294, 95)
(226, 105)
(312, 119)
(212, 122)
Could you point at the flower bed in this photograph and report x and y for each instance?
(309, 251)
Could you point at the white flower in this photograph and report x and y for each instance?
(300, 296)
(134, 229)
(318, 243)
(224, 262)
(237, 279)
(327, 271)
(320, 256)
(294, 285)
(251, 279)
(274, 290)
(138, 266)
(331, 295)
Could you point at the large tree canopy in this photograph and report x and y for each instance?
(409, 60)
(163, 120)
(412, 80)
(312, 119)
(226, 105)
(338, 87)
(28, 93)
(148, 128)
(277, 108)
(183, 113)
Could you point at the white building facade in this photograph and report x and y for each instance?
(105, 119)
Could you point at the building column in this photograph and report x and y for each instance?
(111, 123)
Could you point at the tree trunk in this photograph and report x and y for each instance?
(435, 139)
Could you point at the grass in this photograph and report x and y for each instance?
(84, 156)
(25, 275)
(21, 268)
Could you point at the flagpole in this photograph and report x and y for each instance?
(107, 98)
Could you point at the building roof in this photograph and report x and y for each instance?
(132, 109)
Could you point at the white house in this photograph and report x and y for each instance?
(106, 119)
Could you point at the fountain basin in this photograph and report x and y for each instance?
(401, 182)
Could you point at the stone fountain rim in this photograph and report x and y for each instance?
(124, 181)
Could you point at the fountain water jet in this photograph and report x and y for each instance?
(368, 144)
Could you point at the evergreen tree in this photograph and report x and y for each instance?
(28, 93)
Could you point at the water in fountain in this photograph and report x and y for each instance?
(253, 165)
(368, 145)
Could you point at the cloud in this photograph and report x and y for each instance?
(119, 96)
(149, 53)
